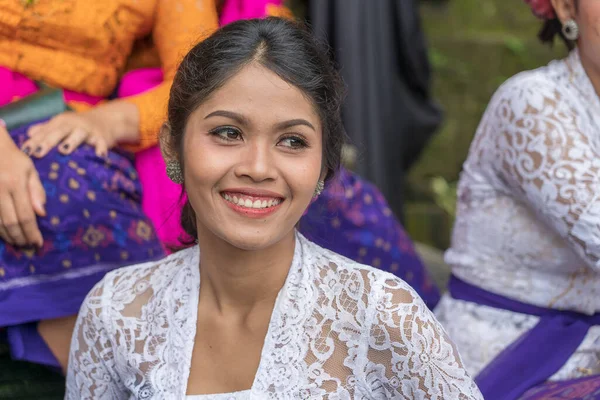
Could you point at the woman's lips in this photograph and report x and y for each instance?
(251, 202)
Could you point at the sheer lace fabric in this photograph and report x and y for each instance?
(339, 330)
(528, 222)
(243, 395)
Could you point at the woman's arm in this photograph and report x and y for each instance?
(545, 151)
(134, 122)
(409, 354)
(178, 26)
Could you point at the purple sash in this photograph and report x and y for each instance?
(536, 355)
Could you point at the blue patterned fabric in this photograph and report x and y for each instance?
(94, 224)
(352, 218)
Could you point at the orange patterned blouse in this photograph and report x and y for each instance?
(84, 45)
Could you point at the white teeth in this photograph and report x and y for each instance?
(251, 204)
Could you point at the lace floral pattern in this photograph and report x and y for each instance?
(243, 395)
(338, 329)
(529, 213)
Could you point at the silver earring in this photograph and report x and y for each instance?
(571, 30)
(319, 189)
(174, 172)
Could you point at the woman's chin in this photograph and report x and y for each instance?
(255, 240)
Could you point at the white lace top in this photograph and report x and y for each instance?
(528, 222)
(338, 328)
(243, 395)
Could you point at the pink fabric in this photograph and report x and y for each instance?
(161, 197)
(70, 96)
(234, 10)
(15, 85)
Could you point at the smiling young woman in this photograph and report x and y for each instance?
(256, 310)
(257, 140)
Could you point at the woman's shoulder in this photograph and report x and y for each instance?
(374, 282)
(546, 81)
(125, 284)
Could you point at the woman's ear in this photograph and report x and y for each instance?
(565, 9)
(165, 140)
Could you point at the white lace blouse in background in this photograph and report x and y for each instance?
(339, 330)
(528, 218)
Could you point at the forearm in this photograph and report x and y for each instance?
(120, 118)
(152, 113)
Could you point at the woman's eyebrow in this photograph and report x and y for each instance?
(244, 121)
(295, 122)
(231, 115)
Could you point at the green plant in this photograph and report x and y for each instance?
(444, 194)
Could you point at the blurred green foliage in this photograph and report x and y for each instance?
(474, 46)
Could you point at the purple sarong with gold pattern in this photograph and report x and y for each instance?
(94, 224)
(352, 218)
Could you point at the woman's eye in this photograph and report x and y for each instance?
(293, 142)
(227, 134)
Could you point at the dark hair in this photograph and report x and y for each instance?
(286, 48)
(552, 28)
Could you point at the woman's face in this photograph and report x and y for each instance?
(587, 15)
(252, 158)
(588, 19)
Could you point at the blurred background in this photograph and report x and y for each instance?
(472, 47)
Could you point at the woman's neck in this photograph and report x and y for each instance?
(238, 280)
(591, 70)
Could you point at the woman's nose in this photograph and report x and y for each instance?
(257, 163)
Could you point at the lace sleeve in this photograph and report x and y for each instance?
(178, 26)
(546, 152)
(410, 355)
(91, 362)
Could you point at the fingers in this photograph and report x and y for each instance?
(27, 222)
(73, 140)
(8, 215)
(18, 224)
(68, 131)
(99, 144)
(37, 194)
(4, 233)
(46, 137)
(34, 130)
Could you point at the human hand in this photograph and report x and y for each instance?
(102, 127)
(68, 131)
(22, 196)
